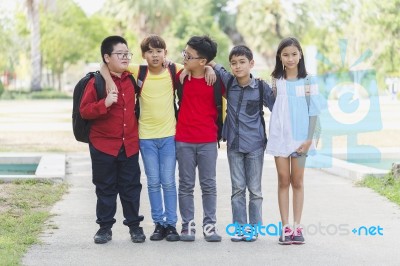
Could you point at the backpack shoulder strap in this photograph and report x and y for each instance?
(99, 84)
(218, 92)
(229, 85)
(179, 90)
(137, 89)
(172, 72)
(261, 93)
(143, 69)
(261, 106)
(218, 102)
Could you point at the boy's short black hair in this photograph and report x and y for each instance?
(107, 45)
(204, 46)
(241, 50)
(154, 41)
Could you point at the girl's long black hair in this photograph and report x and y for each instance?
(279, 70)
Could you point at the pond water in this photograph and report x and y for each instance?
(18, 169)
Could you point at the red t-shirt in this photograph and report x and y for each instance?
(197, 113)
(116, 125)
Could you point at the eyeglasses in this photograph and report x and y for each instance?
(121, 55)
(188, 57)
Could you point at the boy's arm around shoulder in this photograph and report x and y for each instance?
(223, 73)
(91, 107)
(268, 95)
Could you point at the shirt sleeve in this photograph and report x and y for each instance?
(269, 97)
(90, 107)
(224, 74)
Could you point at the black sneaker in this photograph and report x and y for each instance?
(159, 233)
(137, 235)
(102, 236)
(171, 234)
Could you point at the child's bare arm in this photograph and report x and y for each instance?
(110, 84)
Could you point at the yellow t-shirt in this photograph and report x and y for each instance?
(157, 113)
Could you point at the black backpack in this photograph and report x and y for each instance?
(80, 126)
(142, 74)
(261, 94)
(218, 103)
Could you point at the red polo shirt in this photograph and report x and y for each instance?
(116, 125)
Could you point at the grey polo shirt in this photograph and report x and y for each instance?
(243, 129)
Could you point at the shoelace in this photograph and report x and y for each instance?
(299, 231)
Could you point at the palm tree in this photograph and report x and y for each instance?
(144, 17)
(36, 64)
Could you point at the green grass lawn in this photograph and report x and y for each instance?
(388, 186)
(24, 208)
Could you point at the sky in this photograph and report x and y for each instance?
(90, 6)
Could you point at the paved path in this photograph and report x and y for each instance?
(330, 202)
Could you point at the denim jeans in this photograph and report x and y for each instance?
(159, 160)
(204, 157)
(246, 171)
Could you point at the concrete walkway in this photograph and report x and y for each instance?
(334, 206)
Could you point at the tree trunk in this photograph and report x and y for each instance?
(36, 64)
(59, 80)
(234, 35)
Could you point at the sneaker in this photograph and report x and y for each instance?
(137, 235)
(297, 236)
(159, 233)
(102, 236)
(237, 237)
(249, 236)
(171, 234)
(188, 236)
(287, 240)
(212, 237)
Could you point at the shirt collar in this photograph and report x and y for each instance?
(252, 83)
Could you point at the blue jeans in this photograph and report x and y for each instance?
(159, 160)
(246, 171)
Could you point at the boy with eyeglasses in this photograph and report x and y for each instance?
(157, 123)
(196, 140)
(114, 144)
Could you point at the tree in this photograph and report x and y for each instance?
(70, 36)
(36, 64)
(262, 24)
(187, 23)
(144, 17)
(388, 20)
(174, 20)
(265, 23)
(227, 21)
